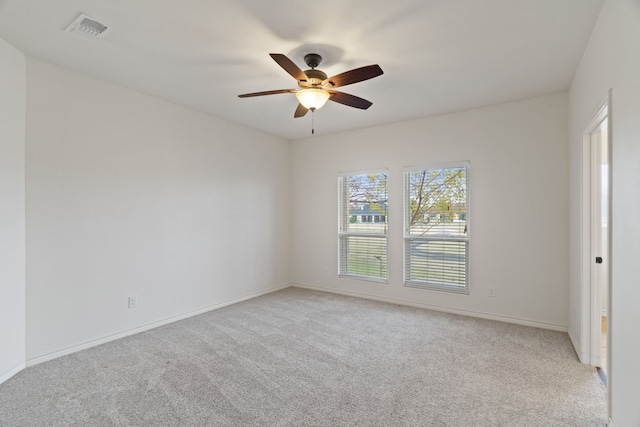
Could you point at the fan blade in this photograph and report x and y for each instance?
(350, 100)
(268, 92)
(300, 111)
(353, 76)
(289, 67)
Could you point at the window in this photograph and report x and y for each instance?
(362, 240)
(436, 228)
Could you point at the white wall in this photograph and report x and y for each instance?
(518, 207)
(12, 221)
(130, 195)
(611, 60)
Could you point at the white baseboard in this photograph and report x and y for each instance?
(610, 424)
(499, 318)
(143, 328)
(12, 372)
(576, 347)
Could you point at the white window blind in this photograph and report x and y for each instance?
(363, 225)
(437, 228)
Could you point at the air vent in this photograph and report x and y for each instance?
(87, 28)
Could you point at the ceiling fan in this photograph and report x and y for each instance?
(316, 88)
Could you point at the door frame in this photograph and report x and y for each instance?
(596, 239)
(591, 299)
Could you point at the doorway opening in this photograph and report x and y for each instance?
(599, 242)
(596, 237)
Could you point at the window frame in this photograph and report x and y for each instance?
(344, 234)
(408, 238)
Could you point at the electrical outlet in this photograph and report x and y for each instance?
(492, 292)
(133, 302)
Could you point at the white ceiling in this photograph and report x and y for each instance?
(437, 55)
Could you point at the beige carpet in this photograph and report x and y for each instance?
(305, 358)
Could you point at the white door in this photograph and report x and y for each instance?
(599, 148)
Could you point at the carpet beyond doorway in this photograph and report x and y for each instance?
(305, 358)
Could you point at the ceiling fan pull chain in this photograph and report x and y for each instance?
(313, 130)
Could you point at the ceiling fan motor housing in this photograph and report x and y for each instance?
(316, 77)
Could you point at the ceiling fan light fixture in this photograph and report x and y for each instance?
(312, 98)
